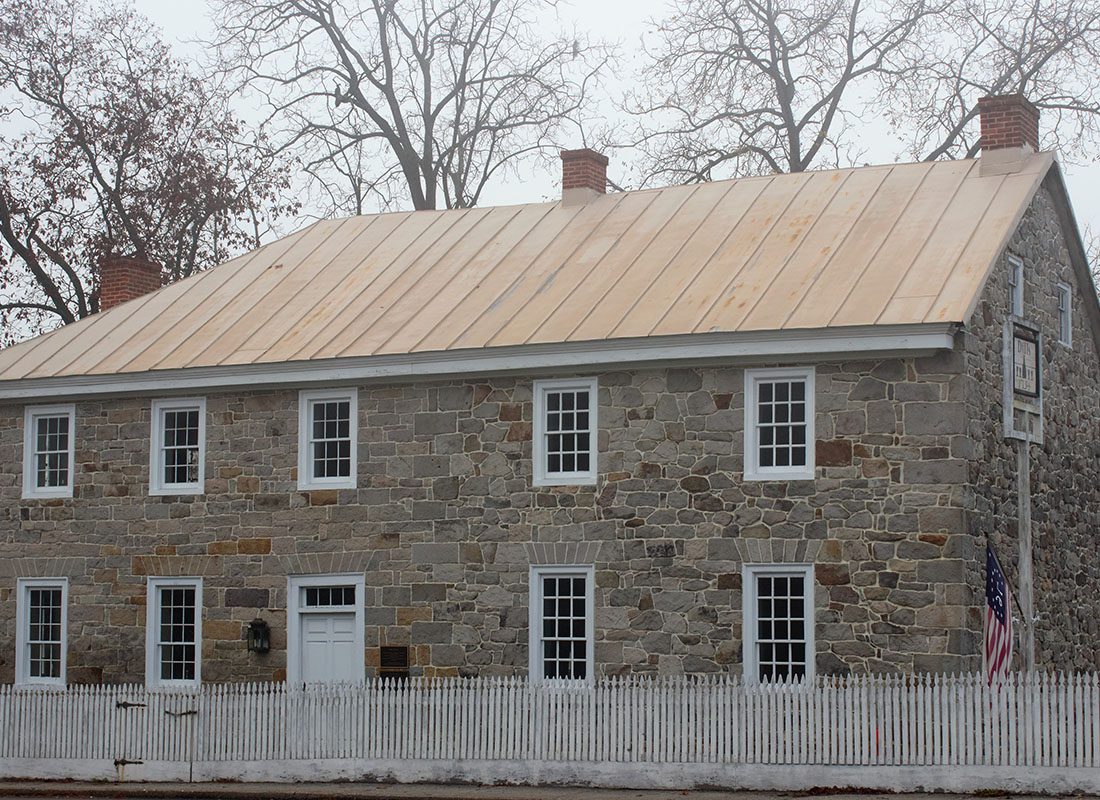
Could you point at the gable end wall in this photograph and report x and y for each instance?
(1065, 469)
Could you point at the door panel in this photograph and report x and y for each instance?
(328, 648)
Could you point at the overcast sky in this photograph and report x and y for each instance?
(614, 20)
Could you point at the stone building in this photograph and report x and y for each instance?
(766, 425)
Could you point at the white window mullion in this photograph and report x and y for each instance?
(173, 632)
(778, 622)
(564, 447)
(178, 447)
(779, 424)
(42, 620)
(1016, 285)
(327, 439)
(561, 618)
(49, 451)
(1065, 314)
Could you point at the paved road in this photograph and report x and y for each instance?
(345, 791)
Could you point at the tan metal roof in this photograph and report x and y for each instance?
(882, 245)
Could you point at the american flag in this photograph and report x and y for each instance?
(998, 619)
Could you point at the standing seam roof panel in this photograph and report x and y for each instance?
(847, 264)
(415, 234)
(817, 248)
(894, 245)
(869, 297)
(644, 272)
(690, 260)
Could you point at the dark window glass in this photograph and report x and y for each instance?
(567, 439)
(51, 452)
(331, 440)
(780, 626)
(44, 632)
(180, 446)
(781, 423)
(564, 646)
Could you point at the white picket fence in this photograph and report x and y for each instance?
(1038, 720)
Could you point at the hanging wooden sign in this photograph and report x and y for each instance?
(1026, 377)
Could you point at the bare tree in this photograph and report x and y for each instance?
(111, 146)
(1047, 50)
(388, 102)
(750, 86)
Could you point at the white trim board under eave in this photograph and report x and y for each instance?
(865, 341)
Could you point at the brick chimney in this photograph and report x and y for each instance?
(583, 175)
(123, 278)
(1008, 120)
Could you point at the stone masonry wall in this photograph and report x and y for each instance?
(1065, 469)
(446, 523)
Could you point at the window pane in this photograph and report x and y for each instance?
(780, 627)
(180, 446)
(780, 423)
(331, 438)
(177, 643)
(567, 442)
(51, 453)
(564, 626)
(44, 643)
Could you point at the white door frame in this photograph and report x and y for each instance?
(295, 584)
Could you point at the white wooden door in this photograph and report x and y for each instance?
(328, 648)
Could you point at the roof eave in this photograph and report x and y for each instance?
(801, 345)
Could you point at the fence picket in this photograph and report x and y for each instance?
(1038, 719)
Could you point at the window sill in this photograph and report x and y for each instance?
(320, 487)
(55, 495)
(58, 685)
(589, 480)
(176, 491)
(756, 476)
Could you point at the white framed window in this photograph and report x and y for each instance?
(42, 630)
(173, 632)
(778, 609)
(565, 428)
(1016, 285)
(325, 629)
(779, 424)
(327, 437)
(49, 450)
(560, 640)
(178, 447)
(1065, 314)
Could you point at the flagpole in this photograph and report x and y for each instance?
(1026, 599)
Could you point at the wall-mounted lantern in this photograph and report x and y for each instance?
(259, 636)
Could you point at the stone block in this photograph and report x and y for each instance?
(881, 417)
(238, 597)
(431, 466)
(942, 519)
(435, 553)
(431, 632)
(684, 380)
(832, 574)
(257, 546)
(947, 470)
(428, 592)
(934, 419)
(323, 497)
(834, 453)
(225, 630)
(434, 423)
(942, 570)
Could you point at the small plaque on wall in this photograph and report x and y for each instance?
(1025, 362)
